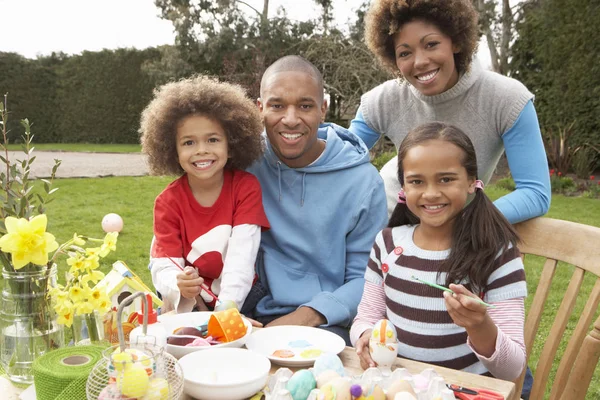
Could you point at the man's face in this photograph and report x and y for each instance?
(292, 108)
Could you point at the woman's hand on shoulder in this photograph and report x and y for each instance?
(362, 350)
(464, 309)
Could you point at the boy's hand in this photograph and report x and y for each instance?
(362, 350)
(188, 282)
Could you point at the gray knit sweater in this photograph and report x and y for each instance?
(483, 104)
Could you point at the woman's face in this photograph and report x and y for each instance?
(425, 57)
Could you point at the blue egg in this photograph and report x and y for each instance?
(301, 383)
(328, 361)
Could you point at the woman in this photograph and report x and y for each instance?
(429, 45)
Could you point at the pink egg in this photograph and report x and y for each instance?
(112, 223)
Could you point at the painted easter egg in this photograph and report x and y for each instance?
(301, 383)
(337, 389)
(398, 387)
(328, 361)
(112, 223)
(324, 377)
(383, 344)
(384, 332)
(135, 356)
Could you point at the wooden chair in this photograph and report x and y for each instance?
(579, 245)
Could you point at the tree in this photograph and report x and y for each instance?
(556, 56)
(498, 29)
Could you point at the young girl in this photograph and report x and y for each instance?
(210, 219)
(445, 230)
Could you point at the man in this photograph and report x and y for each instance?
(324, 200)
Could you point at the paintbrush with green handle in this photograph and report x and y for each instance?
(445, 289)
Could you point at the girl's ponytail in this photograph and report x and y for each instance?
(480, 234)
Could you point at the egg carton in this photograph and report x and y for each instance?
(427, 385)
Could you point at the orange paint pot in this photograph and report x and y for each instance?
(226, 326)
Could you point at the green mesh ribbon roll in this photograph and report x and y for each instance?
(61, 374)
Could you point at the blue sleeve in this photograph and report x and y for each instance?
(529, 168)
(340, 306)
(359, 127)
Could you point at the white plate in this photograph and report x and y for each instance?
(305, 342)
(224, 374)
(174, 321)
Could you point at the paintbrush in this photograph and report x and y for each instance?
(445, 289)
(202, 285)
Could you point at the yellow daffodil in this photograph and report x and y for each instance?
(110, 243)
(103, 304)
(76, 293)
(27, 241)
(83, 307)
(77, 262)
(78, 240)
(92, 262)
(65, 319)
(92, 252)
(93, 276)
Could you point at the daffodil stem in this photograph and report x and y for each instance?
(92, 326)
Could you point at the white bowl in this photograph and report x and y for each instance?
(174, 321)
(224, 373)
(304, 342)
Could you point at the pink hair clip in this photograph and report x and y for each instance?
(478, 184)
(401, 197)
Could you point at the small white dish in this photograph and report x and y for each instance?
(174, 321)
(224, 373)
(306, 344)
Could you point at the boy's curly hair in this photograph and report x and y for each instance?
(200, 95)
(455, 18)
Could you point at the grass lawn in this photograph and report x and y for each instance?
(83, 147)
(80, 205)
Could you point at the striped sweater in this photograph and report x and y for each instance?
(425, 330)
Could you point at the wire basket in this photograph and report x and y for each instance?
(135, 370)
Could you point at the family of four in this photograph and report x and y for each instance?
(282, 215)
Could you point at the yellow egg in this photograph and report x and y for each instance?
(134, 381)
(378, 393)
(399, 386)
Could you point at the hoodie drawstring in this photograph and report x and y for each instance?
(279, 178)
(303, 190)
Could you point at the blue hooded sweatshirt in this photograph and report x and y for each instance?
(324, 218)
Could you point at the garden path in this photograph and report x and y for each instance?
(80, 165)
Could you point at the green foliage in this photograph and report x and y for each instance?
(84, 147)
(380, 160)
(585, 161)
(561, 184)
(506, 183)
(106, 93)
(556, 56)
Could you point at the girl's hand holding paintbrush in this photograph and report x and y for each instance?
(466, 311)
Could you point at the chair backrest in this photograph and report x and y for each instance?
(578, 245)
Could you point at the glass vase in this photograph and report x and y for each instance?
(87, 329)
(28, 323)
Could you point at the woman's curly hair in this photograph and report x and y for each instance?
(455, 18)
(200, 95)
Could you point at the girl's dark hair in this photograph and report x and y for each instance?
(480, 232)
(224, 102)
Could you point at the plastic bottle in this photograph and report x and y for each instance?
(155, 333)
